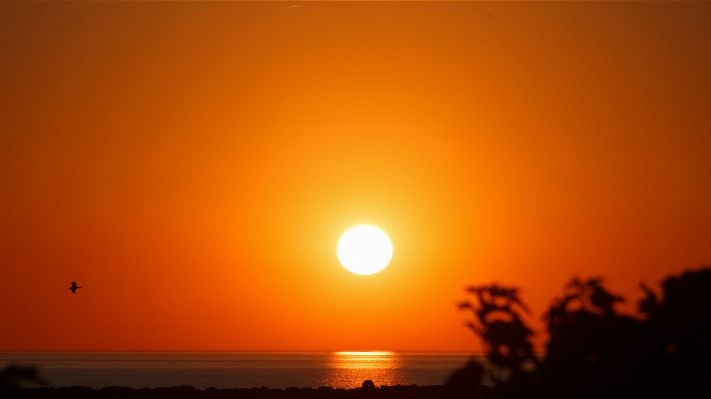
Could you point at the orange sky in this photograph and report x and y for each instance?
(192, 165)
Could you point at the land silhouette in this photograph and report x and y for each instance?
(593, 351)
(188, 392)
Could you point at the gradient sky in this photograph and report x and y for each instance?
(193, 165)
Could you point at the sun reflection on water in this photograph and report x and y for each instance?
(365, 353)
(350, 369)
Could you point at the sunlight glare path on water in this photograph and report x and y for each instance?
(350, 369)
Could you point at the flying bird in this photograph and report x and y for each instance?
(74, 287)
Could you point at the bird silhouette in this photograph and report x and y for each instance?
(74, 287)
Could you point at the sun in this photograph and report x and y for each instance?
(364, 250)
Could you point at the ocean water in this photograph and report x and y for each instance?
(238, 369)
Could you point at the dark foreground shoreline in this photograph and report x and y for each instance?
(188, 392)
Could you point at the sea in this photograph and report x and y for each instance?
(222, 370)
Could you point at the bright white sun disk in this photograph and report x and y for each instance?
(364, 250)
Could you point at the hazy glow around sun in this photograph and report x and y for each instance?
(364, 250)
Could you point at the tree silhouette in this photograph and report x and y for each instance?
(594, 352)
(498, 322)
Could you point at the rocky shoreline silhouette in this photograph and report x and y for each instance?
(188, 392)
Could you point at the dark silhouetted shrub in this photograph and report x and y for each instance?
(594, 352)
